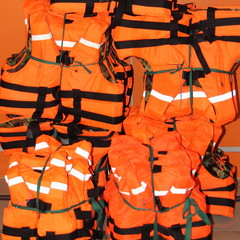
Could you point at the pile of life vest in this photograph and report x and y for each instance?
(79, 151)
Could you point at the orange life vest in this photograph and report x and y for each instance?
(19, 134)
(217, 177)
(216, 31)
(58, 196)
(57, 61)
(140, 195)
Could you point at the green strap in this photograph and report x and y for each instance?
(188, 214)
(174, 70)
(98, 207)
(50, 211)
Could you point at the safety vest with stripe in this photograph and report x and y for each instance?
(217, 177)
(71, 176)
(81, 185)
(140, 195)
(161, 45)
(19, 134)
(216, 30)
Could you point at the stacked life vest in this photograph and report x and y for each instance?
(151, 189)
(217, 177)
(180, 77)
(67, 72)
(50, 191)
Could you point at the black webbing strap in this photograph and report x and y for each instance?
(83, 233)
(118, 14)
(77, 97)
(53, 236)
(21, 88)
(40, 104)
(220, 201)
(12, 134)
(81, 215)
(25, 104)
(43, 206)
(92, 95)
(153, 25)
(173, 27)
(89, 9)
(201, 58)
(146, 229)
(92, 116)
(95, 192)
(25, 232)
(211, 23)
(196, 74)
(17, 144)
(229, 188)
(64, 58)
(143, 43)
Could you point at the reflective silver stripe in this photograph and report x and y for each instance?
(160, 193)
(26, 21)
(82, 152)
(57, 162)
(223, 97)
(113, 169)
(89, 43)
(140, 189)
(33, 187)
(14, 181)
(161, 96)
(59, 186)
(68, 167)
(79, 175)
(186, 95)
(144, 93)
(65, 43)
(118, 177)
(40, 168)
(41, 145)
(41, 37)
(125, 193)
(13, 164)
(178, 190)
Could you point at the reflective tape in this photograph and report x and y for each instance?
(14, 181)
(59, 186)
(41, 37)
(140, 189)
(42, 189)
(118, 177)
(89, 43)
(65, 43)
(13, 164)
(160, 193)
(161, 96)
(68, 167)
(41, 145)
(186, 95)
(57, 162)
(178, 190)
(40, 168)
(125, 193)
(79, 175)
(223, 97)
(82, 152)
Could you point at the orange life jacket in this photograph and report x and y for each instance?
(140, 195)
(216, 31)
(161, 44)
(217, 177)
(19, 134)
(55, 58)
(62, 196)
(196, 132)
